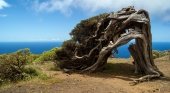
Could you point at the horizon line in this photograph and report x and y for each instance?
(58, 41)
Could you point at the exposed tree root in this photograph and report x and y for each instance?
(144, 78)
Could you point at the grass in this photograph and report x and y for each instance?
(47, 56)
(37, 74)
(119, 67)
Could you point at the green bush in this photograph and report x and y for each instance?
(86, 28)
(47, 56)
(33, 57)
(31, 71)
(12, 66)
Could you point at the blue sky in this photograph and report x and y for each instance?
(52, 20)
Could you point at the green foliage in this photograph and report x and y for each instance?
(86, 28)
(69, 46)
(80, 34)
(65, 52)
(12, 66)
(47, 56)
(31, 71)
(33, 57)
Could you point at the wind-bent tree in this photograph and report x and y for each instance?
(94, 39)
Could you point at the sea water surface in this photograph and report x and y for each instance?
(123, 51)
(40, 47)
(35, 47)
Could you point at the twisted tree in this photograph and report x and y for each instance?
(94, 40)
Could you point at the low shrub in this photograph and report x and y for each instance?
(47, 56)
(33, 57)
(13, 66)
(31, 71)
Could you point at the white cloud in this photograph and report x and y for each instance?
(62, 6)
(159, 7)
(3, 4)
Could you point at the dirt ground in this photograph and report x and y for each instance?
(114, 79)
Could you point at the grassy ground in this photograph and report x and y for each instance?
(114, 79)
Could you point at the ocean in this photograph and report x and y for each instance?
(35, 47)
(123, 51)
(40, 47)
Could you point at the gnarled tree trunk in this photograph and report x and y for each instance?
(96, 38)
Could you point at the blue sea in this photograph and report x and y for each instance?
(39, 47)
(35, 47)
